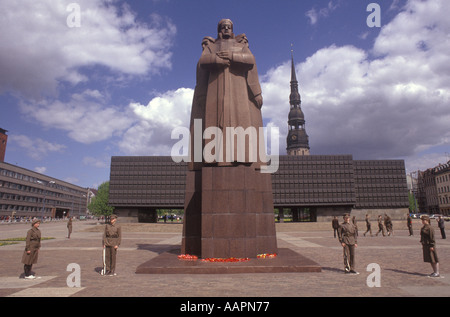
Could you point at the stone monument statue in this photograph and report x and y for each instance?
(228, 202)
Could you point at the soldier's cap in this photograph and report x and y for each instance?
(346, 216)
(35, 221)
(113, 216)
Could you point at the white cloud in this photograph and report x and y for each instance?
(40, 169)
(36, 148)
(97, 162)
(85, 116)
(391, 102)
(39, 50)
(315, 14)
(426, 161)
(150, 135)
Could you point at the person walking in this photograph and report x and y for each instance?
(335, 225)
(380, 226)
(388, 225)
(429, 246)
(355, 223)
(348, 239)
(69, 227)
(368, 225)
(441, 226)
(409, 224)
(32, 246)
(112, 238)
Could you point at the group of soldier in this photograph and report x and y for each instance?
(347, 233)
(112, 237)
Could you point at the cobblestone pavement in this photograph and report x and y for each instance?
(402, 274)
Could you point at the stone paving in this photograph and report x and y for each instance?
(403, 273)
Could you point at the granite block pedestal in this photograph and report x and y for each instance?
(228, 213)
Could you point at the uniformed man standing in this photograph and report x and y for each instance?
(335, 225)
(69, 227)
(111, 241)
(429, 245)
(347, 238)
(409, 224)
(32, 246)
(368, 225)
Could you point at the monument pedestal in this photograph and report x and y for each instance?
(228, 213)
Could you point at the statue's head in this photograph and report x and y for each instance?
(225, 29)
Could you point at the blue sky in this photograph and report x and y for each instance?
(72, 97)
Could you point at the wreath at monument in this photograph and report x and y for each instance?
(188, 257)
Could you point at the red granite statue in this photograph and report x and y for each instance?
(228, 202)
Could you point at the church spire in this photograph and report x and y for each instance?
(297, 139)
(293, 76)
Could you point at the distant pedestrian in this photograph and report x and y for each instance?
(112, 238)
(347, 238)
(429, 246)
(355, 223)
(441, 226)
(409, 224)
(335, 225)
(32, 246)
(69, 227)
(388, 225)
(380, 226)
(368, 225)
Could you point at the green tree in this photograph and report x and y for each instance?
(99, 205)
(412, 202)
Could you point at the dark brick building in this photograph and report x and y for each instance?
(312, 188)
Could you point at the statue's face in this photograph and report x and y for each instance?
(226, 29)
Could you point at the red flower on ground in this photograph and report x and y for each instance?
(266, 256)
(188, 257)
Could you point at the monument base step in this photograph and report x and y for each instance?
(286, 261)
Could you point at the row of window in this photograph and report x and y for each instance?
(443, 189)
(36, 182)
(444, 200)
(443, 178)
(16, 208)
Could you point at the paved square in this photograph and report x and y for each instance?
(402, 271)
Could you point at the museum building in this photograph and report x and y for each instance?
(308, 187)
(28, 194)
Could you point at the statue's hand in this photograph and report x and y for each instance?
(225, 55)
(259, 101)
(222, 62)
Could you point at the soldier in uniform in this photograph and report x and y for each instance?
(32, 246)
(335, 225)
(388, 225)
(429, 246)
(347, 237)
(441, 226)
(111, 241)
(69, 227)
(368, 225)
(380, 226)
(409, 224)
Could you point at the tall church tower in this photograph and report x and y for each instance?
(297, 139)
